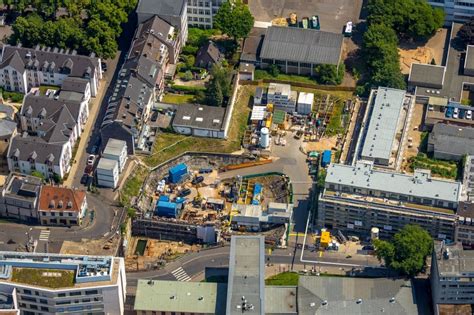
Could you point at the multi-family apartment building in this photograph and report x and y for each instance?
(451, 276)
(61, 206)
(19, 198)
(282, 97)
(23, 68)
(360, 197)
(64, 284)
(455, 10)
(202, 12)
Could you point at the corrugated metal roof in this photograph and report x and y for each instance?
(302, 45)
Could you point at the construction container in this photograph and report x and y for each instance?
(177, 172)
(326, 158)
(166, 209)
(264, 137)
(164, 198)
(257, 194)
(325, 239)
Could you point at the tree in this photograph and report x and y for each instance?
(274, 71)
(408, 250)
(188, 76)
(214, 95)
(189, 61)
(329, 74)
(37, 174)
(234, 19)
(466, 33)
(221, 75)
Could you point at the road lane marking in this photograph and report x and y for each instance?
(180, 274)
(44, 235)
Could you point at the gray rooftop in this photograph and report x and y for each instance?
(341, 296)
(199, 116)
(469, 61)
(302, 45)
(280, 300)
(115, 147)
(382, 128)
(426, 75)
(73, 84)
(452, 139)
(26, 147)
(246, 275)
(161, 7)
(458, 261)
(7, 127)
(420, 184)
(106, 164)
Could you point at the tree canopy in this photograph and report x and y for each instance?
(408, 250)
(234, 19)
(329, 74)
(466, 33)
(409, 18)
(88, 26)
(219, 86)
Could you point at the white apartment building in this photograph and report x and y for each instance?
(22, 68)
(455, 10)
(201, 12)
(282, 97)
(88, 284)
(107, 173)
(116, 150)
(452, 274)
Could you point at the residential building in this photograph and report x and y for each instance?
(359, 197)
(19, 197)
(449, 142)
(455, 10)
(380, 143)
(175, 12)
(299, 50)
(87, 284)
(76, 89)
(116, 150)
(179, 297)
(201, 120)
(465, 224)
(202, 12)
(305, 103)
(468, 179)
(351, 295)
(108, 173)
(208, 55)
(8, 130)
(61, 206)
(282, 97)
(451, 276)
(22, 68)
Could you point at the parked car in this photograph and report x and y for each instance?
(88, 170)
(94, 149)
(84, 179)
(468, 114)
(184, 192)
(91, 159)
(205, 170)
(456, 112)
(104, 66)
(461, 113)
(197, 180)
(449, 112)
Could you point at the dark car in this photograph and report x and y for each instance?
(197, 180)
(104, 66)
(88, 169)
(184, 192)
(205, 170)
(84, 179)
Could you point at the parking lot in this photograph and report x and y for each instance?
(346, 10)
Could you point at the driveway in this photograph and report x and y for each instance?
(333, 14)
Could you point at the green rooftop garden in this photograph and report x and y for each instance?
(50, 278)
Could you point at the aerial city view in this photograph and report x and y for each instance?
(237, 157)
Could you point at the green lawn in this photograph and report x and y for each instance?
(178, 98)
(336, 124)
(132, 186)
(44, 88)
(284, 278)
(14, 97)
(446, 169)
(262, 74)
(168, 145)
(50, 278)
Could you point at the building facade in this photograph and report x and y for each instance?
(107, 173)
(202, 12)
(357, 198)
(282, 97)
(61, 206)
(455, 10)
(451, 277)
(19, 198)
(90, 284)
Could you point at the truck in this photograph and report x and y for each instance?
(348, 29)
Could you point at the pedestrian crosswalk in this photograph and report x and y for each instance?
(180, 274)
(44, 235)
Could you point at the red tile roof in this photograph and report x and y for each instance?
(60, 199)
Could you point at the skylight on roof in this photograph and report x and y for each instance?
(199, 119)
(186, 117)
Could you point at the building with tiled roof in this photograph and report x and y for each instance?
(61, 206)
(24, 68)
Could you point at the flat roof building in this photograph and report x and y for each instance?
(379, 143)
(357, 198)
(427, 75)
(201, 120)
(246, 285)
(449, 142)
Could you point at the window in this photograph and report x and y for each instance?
(43, 301)
(91, 292)
(75, 293)
(28, 299)
(44, 308)
(27, 291)
(61, 294)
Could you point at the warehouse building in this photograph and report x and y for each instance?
(357, 198)
(299, 50)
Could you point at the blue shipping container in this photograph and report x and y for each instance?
(164, 198)
(177, 172)
(166, 209)
(326, 159)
